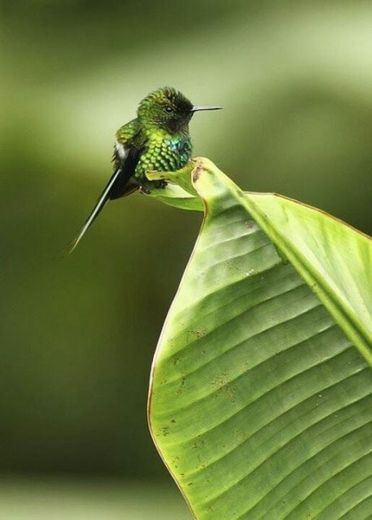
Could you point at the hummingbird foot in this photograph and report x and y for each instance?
(160, 184)
(147, 187)
(154, 185)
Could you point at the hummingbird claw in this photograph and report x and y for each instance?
(147, 187)
(161, 184)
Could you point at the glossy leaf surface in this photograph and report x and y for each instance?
(260, 400)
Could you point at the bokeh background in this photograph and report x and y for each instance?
(78, 333)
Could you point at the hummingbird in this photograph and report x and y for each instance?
(158, 139)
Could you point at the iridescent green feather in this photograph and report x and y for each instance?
(160, 149)
(157, 140)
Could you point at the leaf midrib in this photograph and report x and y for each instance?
(352, 327)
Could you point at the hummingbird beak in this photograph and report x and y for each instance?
(200, 108)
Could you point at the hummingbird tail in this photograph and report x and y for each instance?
(104, 197)
(123, 186)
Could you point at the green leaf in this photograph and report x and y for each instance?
(177, 197)
(260, 400)
(180, 193)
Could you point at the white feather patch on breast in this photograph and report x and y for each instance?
(121, 150)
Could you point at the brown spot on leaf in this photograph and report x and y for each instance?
(197, 172)
(165, 431)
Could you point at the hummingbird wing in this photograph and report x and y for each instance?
(126, 157)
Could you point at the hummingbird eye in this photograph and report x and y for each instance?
(169, 109)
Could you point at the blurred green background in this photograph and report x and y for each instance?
(78, 333)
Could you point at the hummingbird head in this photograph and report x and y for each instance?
(169, 109)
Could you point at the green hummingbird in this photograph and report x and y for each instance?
(158, 139)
